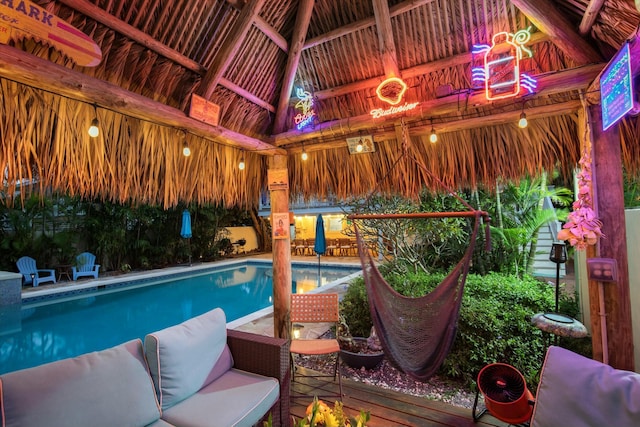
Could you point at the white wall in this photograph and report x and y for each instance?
(247, 233)
(632, 220)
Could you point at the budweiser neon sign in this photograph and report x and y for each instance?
(305, 104)
(500, 65)
(381, 112)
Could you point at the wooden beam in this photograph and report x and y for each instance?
(229, 48)
(590, 16)
(609, 206)
(418, 70)
(386, 44)
(305, 7)
(281, 255)
(152, 44)
(533, 113)
(28, 69)
(396, 10)
(110, 21)
(561, 81)
(546, 17)
(264, 26)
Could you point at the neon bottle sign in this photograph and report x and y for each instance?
(305, 104)
(500, 71)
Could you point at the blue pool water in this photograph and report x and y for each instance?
(54, 329)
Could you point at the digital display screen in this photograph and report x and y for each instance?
(616, 88)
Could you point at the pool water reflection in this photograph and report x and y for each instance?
(58, 329)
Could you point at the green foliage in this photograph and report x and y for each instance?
(494, 324)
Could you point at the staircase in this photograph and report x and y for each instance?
(542, 267)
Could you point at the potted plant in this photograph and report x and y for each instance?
(359, 352)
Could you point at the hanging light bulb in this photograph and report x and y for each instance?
(359, 147)
(304, 155)
(94, 129)
(186, 151)
(522, 123)
(434, 136)
(241, 165)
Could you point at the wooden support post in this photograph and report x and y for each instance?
(609, 200)
(281, 253)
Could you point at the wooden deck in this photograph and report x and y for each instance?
(388, 408)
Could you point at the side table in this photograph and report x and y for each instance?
(64, 270)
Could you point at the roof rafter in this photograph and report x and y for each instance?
(548, 19)
(229, 48)
(590, 16)
(94, 12)
(303, 17)
(387, 45)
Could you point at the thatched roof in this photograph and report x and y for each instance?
(248, 56)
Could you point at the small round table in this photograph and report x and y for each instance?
(64, 270)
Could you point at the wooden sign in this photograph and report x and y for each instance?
(277, 179)
(365, 143)
(23, 19)
(205, 111)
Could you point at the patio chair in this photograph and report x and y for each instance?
(315, 308)
(31, 274)
(85, 266)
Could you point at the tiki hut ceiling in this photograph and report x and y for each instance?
(249, 57)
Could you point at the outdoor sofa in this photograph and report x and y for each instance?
(196, 373)
(580, 392)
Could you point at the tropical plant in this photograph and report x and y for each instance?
(520, 215)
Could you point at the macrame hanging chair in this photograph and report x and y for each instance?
(416, 334)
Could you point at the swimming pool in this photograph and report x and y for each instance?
(53, 327)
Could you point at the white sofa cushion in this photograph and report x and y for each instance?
(579, 392)
(100, 389)
(187, 357)
(236, 399)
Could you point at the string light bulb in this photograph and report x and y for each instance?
(433, 138)
(241, 165)
(94, 129)
(304, 155)
(186, 151)
(359, 147)
(523, 123)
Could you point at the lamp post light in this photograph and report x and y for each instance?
(559, 256)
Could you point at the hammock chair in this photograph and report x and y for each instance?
(416, 334)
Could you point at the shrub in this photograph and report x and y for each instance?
(494, 324)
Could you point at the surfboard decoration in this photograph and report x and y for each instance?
(19, 19)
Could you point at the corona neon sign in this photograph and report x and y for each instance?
(500, 71)
(305, 104)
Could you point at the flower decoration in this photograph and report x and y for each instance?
(319, 414)
(583, 227)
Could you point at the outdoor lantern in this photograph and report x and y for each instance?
(558, 253)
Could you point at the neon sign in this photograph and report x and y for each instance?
(391, 90)
(381, 112)
(500, 71)
(305, 117)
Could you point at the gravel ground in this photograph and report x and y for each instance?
(386, 376)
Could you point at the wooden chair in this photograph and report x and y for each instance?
(316, 308)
